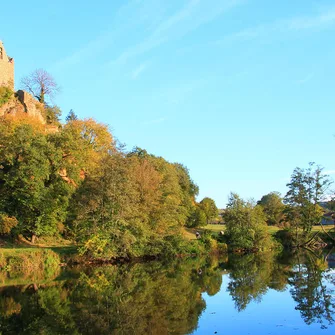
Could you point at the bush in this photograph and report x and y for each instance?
(222, 248)
(7, 223)
(97, 247)
(53, 115)
(289, 238)
(5, 95)
(172, 246)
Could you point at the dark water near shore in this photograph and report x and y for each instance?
(252, 294)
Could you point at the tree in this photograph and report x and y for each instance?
(273, 207)
(307, 189)
(41, 85)
(53, 115)
(209, 207)
(197, 218)
(71, 116)
(246, 224)
(31, 188)
(189, 190)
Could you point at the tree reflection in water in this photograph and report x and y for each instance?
(250, 276)
(308, 280)
(157, 298)
(147, 298)
(311, 284)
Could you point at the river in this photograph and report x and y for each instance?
(251, 294)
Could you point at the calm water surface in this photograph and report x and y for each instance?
(253, 294)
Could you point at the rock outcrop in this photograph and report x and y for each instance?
(23, 103)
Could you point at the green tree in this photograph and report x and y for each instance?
(198, 217)
(307, 189)
(246, 225)
(71, 116)
(53, 115)
(102, 208)
(209, 207)
(131, 205)
(273, 207)
(189, 190)
(32, 190)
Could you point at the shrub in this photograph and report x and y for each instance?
(5, 95)
(97, 246)
(289, 238)
(222, 248)
(7, 223)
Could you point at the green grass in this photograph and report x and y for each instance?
(273, 229)
(189, 233)
(215, 227)
(319, 228)
(64, 250)
(21, 248)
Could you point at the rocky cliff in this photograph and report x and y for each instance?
(24, 104)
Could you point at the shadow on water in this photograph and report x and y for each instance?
(158, 298)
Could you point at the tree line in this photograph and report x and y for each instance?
(296, 213)
(80, 183)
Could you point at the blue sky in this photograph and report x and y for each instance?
(239, 91)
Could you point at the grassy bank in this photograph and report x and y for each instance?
(189, 233)
(22, 265)
(323, 236)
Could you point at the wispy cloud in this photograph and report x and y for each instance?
(86, 52)
(319, 21)
(329, 172)
(129, 16)
(322, 20)
(142, 67)
(191, 16)
(306, 79)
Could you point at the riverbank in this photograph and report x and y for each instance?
(21, 256)
(21, 265)
(217, 228)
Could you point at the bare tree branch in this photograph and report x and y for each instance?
(40, 84)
